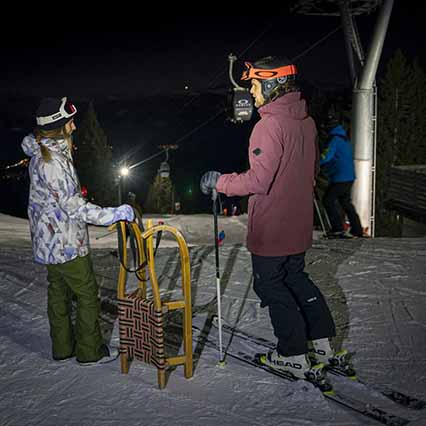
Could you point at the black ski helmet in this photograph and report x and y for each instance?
(53, 113)
(334, 117)
(277, 76)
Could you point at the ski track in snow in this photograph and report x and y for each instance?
(376, 286)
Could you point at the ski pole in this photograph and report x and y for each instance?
(327, 219)
(320, 217)
(221, 362)
(104, 235)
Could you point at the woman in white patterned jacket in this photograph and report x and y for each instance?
(58, 216)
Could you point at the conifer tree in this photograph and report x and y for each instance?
(396, 120)
(416, 147)
(93, 159)
(161, 195)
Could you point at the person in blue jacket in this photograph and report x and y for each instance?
(58, 216)
(337, 164)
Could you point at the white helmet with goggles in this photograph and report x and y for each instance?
(276, 75)
(54, 113)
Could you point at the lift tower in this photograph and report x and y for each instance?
(364, 95)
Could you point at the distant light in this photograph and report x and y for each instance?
(124, 171)
(186, 87)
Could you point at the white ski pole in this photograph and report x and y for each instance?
(221, 362)
(324, 231)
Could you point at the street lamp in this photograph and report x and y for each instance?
(122, 173)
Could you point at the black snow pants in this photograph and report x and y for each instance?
(339, 193)
(297, 307)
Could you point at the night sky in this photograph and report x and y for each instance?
(176, 60)
(171, 53)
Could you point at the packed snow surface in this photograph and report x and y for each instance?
(376, 289)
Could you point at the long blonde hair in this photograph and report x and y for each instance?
(54, 134)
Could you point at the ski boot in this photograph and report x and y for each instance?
(321, 351)
(298, 366)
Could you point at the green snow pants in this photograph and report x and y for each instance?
(83, 340)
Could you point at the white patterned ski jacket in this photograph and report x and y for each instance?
(57, 212)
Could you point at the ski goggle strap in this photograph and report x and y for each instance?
(66, 110)
(262, 74)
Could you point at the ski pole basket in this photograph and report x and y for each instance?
(141, 320)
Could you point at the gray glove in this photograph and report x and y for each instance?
(124, 212)
(208, 182)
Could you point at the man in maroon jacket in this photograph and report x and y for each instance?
(283, 156)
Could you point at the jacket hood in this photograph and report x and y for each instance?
(30, 146)
(338, 131)
(290, 105)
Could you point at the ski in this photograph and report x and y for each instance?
(395, 396)
(365, 409)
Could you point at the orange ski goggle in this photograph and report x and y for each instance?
(262, 74)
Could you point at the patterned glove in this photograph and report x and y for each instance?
(208, 182)
(124, 212)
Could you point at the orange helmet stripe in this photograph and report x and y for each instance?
(262, 74)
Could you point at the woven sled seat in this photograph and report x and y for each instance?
(141, 330)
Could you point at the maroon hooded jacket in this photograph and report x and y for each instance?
(283, 156)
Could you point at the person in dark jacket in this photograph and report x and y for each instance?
(338, 165)
(283, 155)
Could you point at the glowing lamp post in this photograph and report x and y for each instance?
(123, 172)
